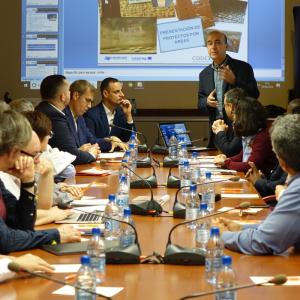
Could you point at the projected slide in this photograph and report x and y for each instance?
(163, 32)
(147, 40)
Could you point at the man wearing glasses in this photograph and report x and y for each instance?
(17, 217)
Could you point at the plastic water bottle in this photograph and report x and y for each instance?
(112, 227)
(226, 279)
(86, 280)
(133, 159)
(185, 180)
(192, 206)
(123, 195)
(173, 147)
(195, 168)
(182, 154)
(96, 251)
(203, 228)
(214, 252)
(133, 140)
(208, 193)
(128, 234)
(123, 171)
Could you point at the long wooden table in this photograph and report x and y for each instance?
(163, 282)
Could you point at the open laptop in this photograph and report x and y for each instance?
(180, 130)
(81, 218)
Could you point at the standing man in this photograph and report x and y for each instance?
(222, 75)
(113, 110)
(56, 97)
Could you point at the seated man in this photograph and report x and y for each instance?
(56, 97)
(225, 139)
(81, 98)
(17, 217)
(280, 230)
(61, 160)
(113, 110)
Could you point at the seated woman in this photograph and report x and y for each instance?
(250, 123)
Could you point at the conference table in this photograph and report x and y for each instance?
(159, 281)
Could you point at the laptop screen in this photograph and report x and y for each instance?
(179, 129)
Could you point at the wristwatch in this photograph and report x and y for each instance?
(28, 185)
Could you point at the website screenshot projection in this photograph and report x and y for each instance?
(147, 40)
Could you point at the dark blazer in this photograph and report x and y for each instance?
(262, 155)
(228, 143)
(17, 230)
(266, 186)
(63, 137)
(244, 79)
(83, 135)
(96, 121)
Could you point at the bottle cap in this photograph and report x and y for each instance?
(127, 212)
(214, 231)
(123, 178)
(96, 231)
(226, 260)
(111, 197)
(186, 163)
(203, 206)
(208, 175)
(194, 154)
(193, 188)
(85, 260)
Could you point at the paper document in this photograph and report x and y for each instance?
(91, 208)
(291, 280)
(111, 155)
(240, 196)
(89, 202)
(103, 290)
(66, 268)
(93, 171)
(85, 185)
(250, 211)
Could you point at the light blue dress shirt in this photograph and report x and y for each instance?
(279, 231)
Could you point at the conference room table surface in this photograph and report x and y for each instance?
(159, 281)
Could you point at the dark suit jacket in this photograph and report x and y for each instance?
(63, 137)
(83, 135)
(266, 186)
(96, 121)
(17, 230)
(228, 143)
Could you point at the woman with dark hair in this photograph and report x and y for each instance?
(250, 123)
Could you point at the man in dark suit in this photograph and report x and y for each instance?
(222, 75)
(81, 97)
(56, 97)
(113, 110)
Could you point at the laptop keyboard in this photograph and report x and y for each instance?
(89, 218)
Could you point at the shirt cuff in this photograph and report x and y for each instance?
(5, 273)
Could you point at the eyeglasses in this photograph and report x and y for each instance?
(34, 156)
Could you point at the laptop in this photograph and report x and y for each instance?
(82, 218)
(180, 130)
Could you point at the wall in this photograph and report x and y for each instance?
(159, 95)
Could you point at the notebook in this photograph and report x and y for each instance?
(180, 130)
